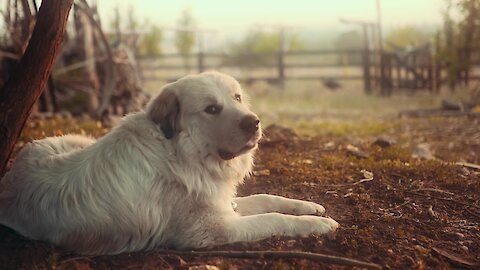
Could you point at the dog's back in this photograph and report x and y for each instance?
(37, 156)
(93, 197)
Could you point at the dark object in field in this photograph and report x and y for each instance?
(331, 84)
(384, 141)
(457, 106)
(437, 112)
(354, 151)
(448, 109)
(274, 134)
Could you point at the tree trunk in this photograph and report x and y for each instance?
(29, 79)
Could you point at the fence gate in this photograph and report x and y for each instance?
(411, 69)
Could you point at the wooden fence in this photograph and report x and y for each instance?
(273, 67)
(385, 72)
(419, 69)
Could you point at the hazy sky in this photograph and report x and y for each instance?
(231, 19)
(229, 14)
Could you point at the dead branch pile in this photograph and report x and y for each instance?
(96, 73)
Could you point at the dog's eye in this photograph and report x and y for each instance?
(213, 109)
(238, 98)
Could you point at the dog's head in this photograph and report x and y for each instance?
(212, 109)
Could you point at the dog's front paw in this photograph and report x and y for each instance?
(328, 225)
(308, 208)
(318, 225)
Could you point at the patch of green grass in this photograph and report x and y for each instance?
(313, 110)
(341, 128)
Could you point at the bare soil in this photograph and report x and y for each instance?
(414, 214)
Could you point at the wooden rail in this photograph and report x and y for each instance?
(385, 71)
(272, 67)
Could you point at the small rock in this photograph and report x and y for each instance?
(274, 134)
(421, 249)
(354, 151)
(367, 175)
(66, 114)
(460, 235)
(310, 184)
(203, 267)
(423, 150)
(464, 248)
(265, 172)
(384, 141)
(431, 212)
(330, 146)
(307, 161)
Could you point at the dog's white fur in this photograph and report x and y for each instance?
(155, 180)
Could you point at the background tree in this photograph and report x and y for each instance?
(151, 41)
(459, 38)
(141, 37)
(350, 40)
(406, 37)
(185, 35)
(257, 42)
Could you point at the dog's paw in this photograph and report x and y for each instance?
(329, 225)
(318, 225)
(307, 208)
(319, 209)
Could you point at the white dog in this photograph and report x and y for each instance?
(164, 177)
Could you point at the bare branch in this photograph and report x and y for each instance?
(330, 259)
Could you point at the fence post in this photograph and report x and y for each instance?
(281, 67)
(385, 82)
(367, 80)
(200, 66)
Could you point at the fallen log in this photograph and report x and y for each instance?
(437, 112)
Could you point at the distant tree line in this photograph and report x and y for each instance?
(458, 39)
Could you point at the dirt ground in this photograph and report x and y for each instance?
(413, 214)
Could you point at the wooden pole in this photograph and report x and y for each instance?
(281, 62)
(380, 44)
(367, 80)
(25, 85)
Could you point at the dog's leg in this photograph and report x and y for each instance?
(258, 227)
(264, 203)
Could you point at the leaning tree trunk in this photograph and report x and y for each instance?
(29, 79)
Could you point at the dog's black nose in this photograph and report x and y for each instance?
(250, 124)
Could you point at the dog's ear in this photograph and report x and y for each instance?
(164, 110)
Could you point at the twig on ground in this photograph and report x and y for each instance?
(435, 190)
(396, 207)
(455, 259)
(468, 165)
(277, 255)
(472, 213)
(348, 184)
(72, 259)
(399, 175)
(440, 198)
